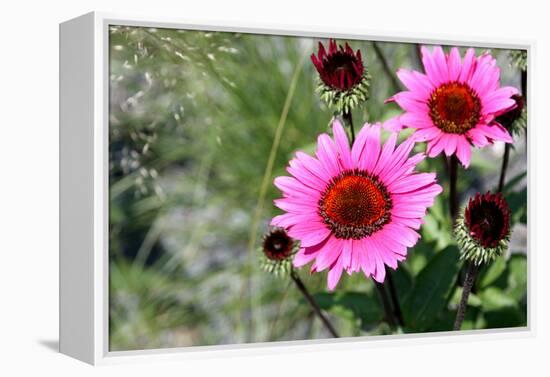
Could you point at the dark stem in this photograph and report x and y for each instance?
(505, 159)
(469, 279)
(385, 303)
(386, 67)
(349, 120)
(453, 199)
(524, 86)
(309, 298)
(395, 300)
(445, 164)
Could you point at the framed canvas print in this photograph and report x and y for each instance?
(234, 189)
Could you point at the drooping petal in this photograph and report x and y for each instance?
(496, 132)
(334, 274)
(463, 152)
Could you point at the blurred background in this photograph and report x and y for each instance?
(192, 120)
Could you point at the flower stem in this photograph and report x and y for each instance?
(505, 159)
(508, 147)
(349, 119)
(395, 300)
(453, 198)
(309, 298)
(385, 303)
(469, 280)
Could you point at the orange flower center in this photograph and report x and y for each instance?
(454, 108)
(355, 205)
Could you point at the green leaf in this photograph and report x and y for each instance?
(495, 299)
(431, 289)
(505, 317)
(419, 256)
(492, 273)
(517, 277)
(403, 282)
(517, 201)
(357, 305)
(473, 299)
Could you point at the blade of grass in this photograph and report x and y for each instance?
(263, 188)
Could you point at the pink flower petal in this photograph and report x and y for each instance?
(366, 149)
(334, 274)
(329, 253)
(436, 146)
(328, 155)
(313, 167)
(292, 187)
(342, 143)
(496, 132)
(450, 144)
(385, 155)
(430, 67)
(346, 254)
(295, 206)
(463, 152)
(309, 234)
(409, 101)
(304, 176)
(416, 82)
(454, 64)
(440, 64)
(287, 220)
(411, 182)
(304, 256)
(427, 134)
(417, 120)
(468, 65)
(393, 125)
(477, 137)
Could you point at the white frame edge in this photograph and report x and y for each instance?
(84, 284)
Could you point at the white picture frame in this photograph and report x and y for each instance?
(84, 191)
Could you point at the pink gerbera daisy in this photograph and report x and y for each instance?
(454, 105)
(355, 208)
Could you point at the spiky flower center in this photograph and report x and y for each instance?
(355, 205)
(454, 108)
(277, 245)
(488, 219)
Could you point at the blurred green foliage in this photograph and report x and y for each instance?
(192, 120)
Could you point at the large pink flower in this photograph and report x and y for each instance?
(454, 105)
(355, 209)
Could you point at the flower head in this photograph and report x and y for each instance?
(277, 249)
(344, 80)
(484, 229)
(514, 120)
(355, 209)
(454, 104)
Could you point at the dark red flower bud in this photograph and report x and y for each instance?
(340, 68)
(277, 245)
(487, 218)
